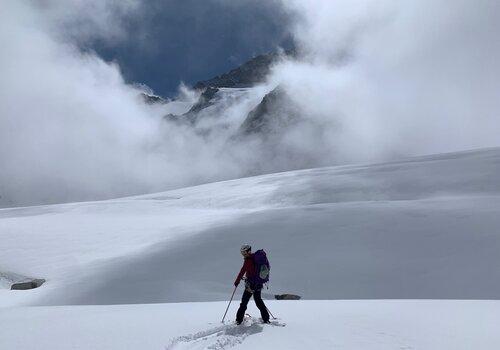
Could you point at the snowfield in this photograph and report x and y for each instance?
(360, 324)
(420, 228)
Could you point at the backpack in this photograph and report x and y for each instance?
(262, 268)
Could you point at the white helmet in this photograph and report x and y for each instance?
(245, 248)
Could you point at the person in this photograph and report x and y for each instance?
(251, 288)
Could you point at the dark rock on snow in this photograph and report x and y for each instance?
(275, 112)
(152, 99)
(205, 100)
(34, 283)
(286, 297)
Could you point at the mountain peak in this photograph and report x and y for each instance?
(248, 74)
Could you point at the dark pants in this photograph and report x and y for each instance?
(258, 301)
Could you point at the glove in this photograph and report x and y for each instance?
(236, 283)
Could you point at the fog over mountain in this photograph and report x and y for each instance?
(367, 81)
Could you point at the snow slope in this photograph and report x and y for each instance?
(382, 324)
(420, 228)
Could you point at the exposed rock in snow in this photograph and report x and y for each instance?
(218, 108)
(14, 281)
(206, 100)
(152, 99)
(286, 297)
(273, 115)
(30, 284)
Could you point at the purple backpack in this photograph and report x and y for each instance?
(262, 268)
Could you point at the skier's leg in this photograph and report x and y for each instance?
(243, 306)
(260, 304)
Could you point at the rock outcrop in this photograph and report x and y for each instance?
(273, 114)
(152, 99)
(30, 284)
(207, 99)
(15, 281)
(248, 74)
(286, 297)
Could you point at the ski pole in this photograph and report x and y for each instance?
(229, 304)
(270, 313)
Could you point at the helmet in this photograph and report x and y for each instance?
(245, 248)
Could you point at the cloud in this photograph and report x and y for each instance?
(81, 21)
(398, 78)
(72, 129)
(376, 80)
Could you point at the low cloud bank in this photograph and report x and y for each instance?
(72, 129)
(391, 78)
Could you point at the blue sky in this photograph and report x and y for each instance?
(191, 40)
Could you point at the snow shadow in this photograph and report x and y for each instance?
(421, 229)
(436, 249)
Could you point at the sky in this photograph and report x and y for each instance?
(189, 40)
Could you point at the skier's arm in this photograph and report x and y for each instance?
(240, 275)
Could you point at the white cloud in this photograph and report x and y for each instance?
(84, 20)
(72, 129)
(380, 78)
(399, 77)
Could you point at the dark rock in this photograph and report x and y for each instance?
(152, 99)
(286, 297)
(35, 283)
(206, 99)
(248, 74)
(275, 112)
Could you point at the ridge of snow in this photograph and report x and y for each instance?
(379, 226)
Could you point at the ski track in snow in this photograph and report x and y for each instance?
(221, 337)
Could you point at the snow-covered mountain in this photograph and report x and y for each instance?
(419, 228)
(270, 111)
(254, 123)
(249, 74)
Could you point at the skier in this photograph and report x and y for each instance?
(251, 287)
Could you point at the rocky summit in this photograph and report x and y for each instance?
(248, 74)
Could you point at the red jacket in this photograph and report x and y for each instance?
(248, 268)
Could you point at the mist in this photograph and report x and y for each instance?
(375, 80)
(72, 129)
(398, 78)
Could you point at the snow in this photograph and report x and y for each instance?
(419, 228)
(368, 324)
